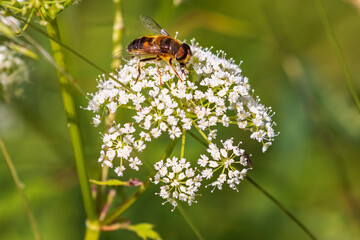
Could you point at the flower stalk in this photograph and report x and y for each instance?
(282, 208)
(92, 232)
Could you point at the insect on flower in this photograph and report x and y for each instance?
(161, 46)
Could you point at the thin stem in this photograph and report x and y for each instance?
(281, 206)
(340, 56)
(183, 144)
(129, 202)
(201, 132)
(287, 212)
(20, 188)
(198, 139)
(74, 131)
(188, 220)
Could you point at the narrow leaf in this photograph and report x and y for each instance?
(6, 30)
(23, 50)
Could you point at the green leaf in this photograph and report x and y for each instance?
(115, 182)
(144, 230)
(6, 30)
(23, 50)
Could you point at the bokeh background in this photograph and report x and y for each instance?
(312, 168)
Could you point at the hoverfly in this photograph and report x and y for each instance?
(162, 46)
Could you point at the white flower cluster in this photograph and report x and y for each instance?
(13, 72)
(180, 181)
(119, 142)
(214, 95)
(226, 161)
(11, 23)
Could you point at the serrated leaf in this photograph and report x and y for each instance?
(115, 182)
(145, 231)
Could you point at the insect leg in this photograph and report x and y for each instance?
(139, 67)
(184, 69)
(170, 63)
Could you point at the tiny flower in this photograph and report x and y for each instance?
(112, 106)
(203, 160)
(266, 146)
(140, 145)
(96, 120)
(110, 154)
(120, 170)
(156, 132)
(134, 163)
(207, 173)
(174, 132)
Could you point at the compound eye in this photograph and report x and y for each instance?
(181, 54)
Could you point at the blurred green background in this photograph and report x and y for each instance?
(312, 168)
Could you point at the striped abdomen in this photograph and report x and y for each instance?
(154, 45)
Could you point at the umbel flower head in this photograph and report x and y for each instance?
(46, 10)
(13, 72)
(213, 96)
(180, 182)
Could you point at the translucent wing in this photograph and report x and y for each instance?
(124, 55)
(151, 25)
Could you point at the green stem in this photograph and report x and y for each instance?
(340, 56)
(74, 131)
(201, 132)
(277, 203)
(92, 231)
(20, 188)
(118, 29)
(129, 202)
(183, 143)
